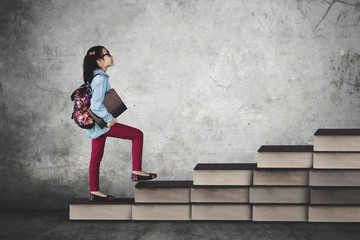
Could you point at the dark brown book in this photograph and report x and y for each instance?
(113, 104)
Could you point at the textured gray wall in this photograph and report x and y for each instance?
(206, 81)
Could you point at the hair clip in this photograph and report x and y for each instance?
(92, 53)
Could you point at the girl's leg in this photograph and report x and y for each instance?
(97, 152)
(126, 132)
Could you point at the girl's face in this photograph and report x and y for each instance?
(106, 60)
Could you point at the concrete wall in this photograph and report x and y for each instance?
(206, 81)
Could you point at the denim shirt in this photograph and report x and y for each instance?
(99, 85)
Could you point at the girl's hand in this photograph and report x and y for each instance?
(112, 122)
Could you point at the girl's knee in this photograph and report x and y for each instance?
(140, 134)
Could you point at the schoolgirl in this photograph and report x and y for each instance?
(96, 62)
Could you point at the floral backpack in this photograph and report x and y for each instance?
(81, 98)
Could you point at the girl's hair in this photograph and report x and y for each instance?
(90, 63)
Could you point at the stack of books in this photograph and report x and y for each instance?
(291, 183)
(335, 178)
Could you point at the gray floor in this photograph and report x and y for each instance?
(52, 225)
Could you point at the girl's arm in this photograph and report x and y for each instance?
(96, 102)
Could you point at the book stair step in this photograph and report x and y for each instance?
(280, 194)
(83, 209)
(337, 160)
(335, 177)
(281, 176)
(224, 194)
(163, 191)
(162, 200)
(334, 213)
(285, 156)
(221, 211)
(337, 140)
(280, 212)
(224, 174)
(335, 195)
(161, 211)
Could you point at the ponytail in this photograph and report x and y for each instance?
(90, 63)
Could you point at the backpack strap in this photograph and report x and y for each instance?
(93, 78)
(96, 75)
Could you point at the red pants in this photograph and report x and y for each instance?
(119, 131)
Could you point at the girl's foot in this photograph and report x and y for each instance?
(97, 197)
(100, 194)
(136, 177)
(141, 173)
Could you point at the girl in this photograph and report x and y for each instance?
(96, 62)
